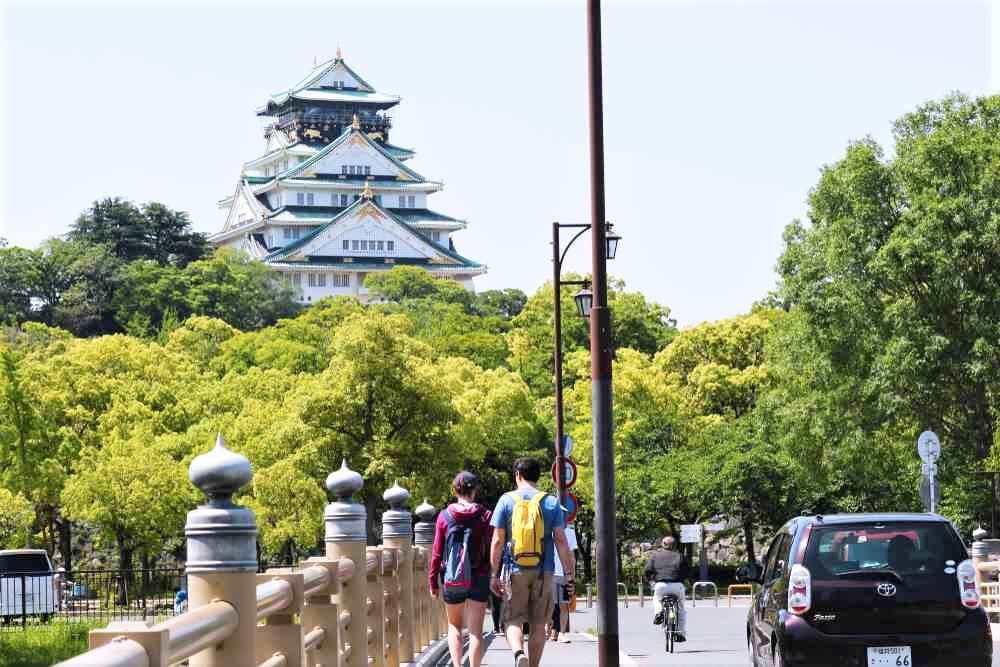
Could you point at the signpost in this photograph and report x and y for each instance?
(929, 449)
(569, 473)
(572, 507)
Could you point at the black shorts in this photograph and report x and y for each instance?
(480, 591)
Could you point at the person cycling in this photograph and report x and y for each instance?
(666, 570)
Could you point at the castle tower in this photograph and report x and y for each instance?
(331, 200)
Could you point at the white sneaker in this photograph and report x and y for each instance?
(521, 660)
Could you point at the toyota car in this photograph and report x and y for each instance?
(867, 590)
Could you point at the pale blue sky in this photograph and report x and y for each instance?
(718, 116)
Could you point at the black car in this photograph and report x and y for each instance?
(867, 590)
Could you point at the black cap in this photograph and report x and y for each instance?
(465, 482)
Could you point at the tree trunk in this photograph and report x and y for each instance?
(748, 538)
(65, 543)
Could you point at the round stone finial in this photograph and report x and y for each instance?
(220, 472)
(396, 496)
(344, 482)
(979, 534)
(425, 511)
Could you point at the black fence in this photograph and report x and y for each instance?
(90, 596)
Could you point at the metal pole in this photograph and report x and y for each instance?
(600, 359)
(557, 363)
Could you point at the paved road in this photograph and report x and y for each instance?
(717, 639)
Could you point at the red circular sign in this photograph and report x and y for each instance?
(569, 472)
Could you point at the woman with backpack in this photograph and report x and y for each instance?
(460, 566)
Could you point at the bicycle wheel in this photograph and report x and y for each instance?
(670, 624)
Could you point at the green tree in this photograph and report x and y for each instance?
(16, 518)
(410, 282)
(505, 303)
(153, 232)
(18, 268)
(898, 270)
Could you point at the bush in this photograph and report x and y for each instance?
(43, 645)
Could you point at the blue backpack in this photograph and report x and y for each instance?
(457, 556)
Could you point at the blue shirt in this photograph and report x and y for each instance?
(552, 515)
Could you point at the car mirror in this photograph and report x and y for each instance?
(749, 573)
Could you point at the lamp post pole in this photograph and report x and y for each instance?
(557, 284)
(600, 360)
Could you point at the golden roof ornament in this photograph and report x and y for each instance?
(366, 192)
(356, 123)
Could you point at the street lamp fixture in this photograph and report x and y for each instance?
(612, 240)
(584, 300)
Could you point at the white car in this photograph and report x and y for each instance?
(27, 584)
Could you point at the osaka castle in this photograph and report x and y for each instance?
(331, 199)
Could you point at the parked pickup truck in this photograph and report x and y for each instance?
(27, 584)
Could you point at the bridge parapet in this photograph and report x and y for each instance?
(354, 606)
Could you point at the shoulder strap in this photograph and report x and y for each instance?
(449, 518)
(538, 498)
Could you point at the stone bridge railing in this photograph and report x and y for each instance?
(353, 607)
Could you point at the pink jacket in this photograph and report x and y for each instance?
(482, 533)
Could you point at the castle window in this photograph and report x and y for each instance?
(355, 244)
(288, 233)
(342, 280)
(381, 245)
(402, 201)
(347, 244)
(368, 171)
(436, 236)
(284, 165)
(267, 171)
(411, 201)
(350, 169)
(310, 199)
(364, 245)
(343, 169)
(390, 245)
(297, 279)
(321, 280)
(312, 280)
(357, 197)
(343, 200)
(300, 198)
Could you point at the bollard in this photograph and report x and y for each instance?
(423, 536)
(390, 584)
(346, 537)
(397, 532)
(222, 552)
(375, 609)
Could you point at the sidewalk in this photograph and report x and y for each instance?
(582, 650)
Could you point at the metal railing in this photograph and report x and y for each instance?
(354, 606)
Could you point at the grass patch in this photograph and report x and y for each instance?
(43, 645)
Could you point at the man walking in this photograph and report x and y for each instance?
(666, 569)
(528, 529)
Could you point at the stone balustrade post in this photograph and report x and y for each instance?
(321, 611)
(346, 537)
(390, 586)
(222, 553)
(423, 537)
(397, 533)
(375, 601)
(980, 554)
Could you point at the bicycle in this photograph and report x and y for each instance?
(668, 605)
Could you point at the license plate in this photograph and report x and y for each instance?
(889, 656)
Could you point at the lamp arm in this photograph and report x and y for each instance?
(566, 249)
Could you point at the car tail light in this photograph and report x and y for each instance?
(800, 590)
(967, 584)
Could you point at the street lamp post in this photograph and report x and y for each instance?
(584, 301)
(600, 363)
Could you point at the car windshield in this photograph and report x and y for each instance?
(34, 562)
(900, 549)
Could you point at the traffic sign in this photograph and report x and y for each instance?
(567, 445)
(929, 447)
(572, 506)
(569, 472)
(691, 533)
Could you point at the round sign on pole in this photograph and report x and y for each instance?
(572, 506)
(929, 447)
(569, 473)
(567, 445)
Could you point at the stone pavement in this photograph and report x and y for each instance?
(717, 638)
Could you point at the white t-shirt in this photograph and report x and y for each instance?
(571, 541)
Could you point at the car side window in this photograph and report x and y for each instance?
(771, 559)
(784, 555)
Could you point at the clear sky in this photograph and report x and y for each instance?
(718, 116)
